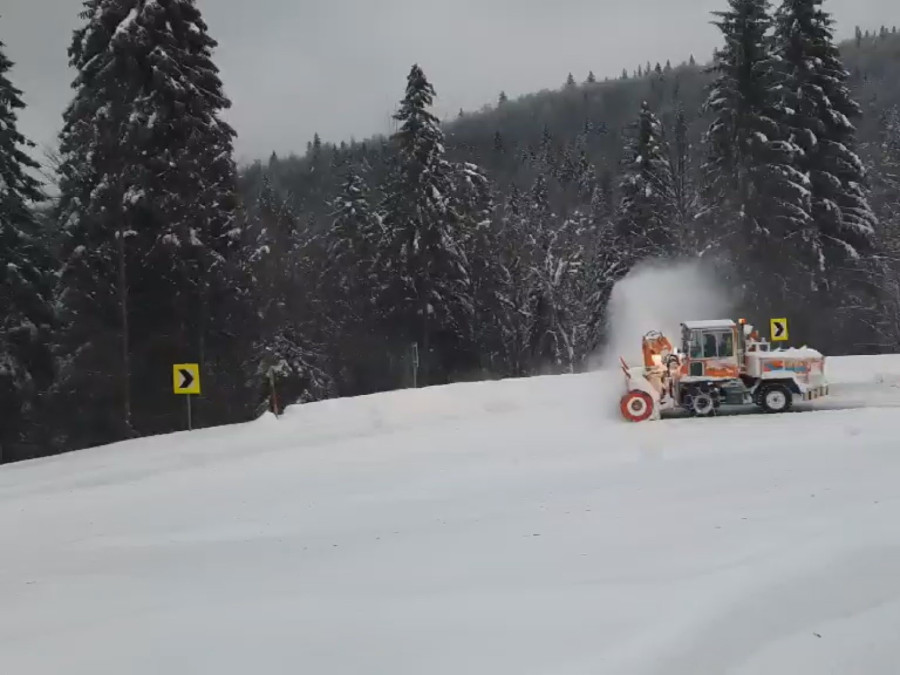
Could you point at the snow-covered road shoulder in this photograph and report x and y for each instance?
(507, 527)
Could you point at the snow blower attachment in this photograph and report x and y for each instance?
(720, 363)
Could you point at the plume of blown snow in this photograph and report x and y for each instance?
(659, 296)
(654, 296)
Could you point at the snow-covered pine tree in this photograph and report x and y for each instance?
(759, 203)
(585, 176)
(285, 347)
(26, 366)
(889, 165)
(425, 288)
(554, 255)
(499, 145)
(474, 202)
(512, 267)
(886, 196)
(352, 244)
(591, 78)
(355, 234)
(606, 261)
(272, 250)
(687, 198)
(818, 110)
(647, 213)
(147, 211)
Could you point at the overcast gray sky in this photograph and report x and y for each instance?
(294, 67)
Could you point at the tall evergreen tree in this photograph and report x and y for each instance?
(647, 214)
(25, 290)
(147, 210)
(819, 109)
(686, 194)
(474, 201)
(426, 288)
(355, 235)
(886, 196)
(759, 201)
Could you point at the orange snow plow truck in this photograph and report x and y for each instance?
(720, 362)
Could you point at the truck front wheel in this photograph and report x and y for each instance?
(775, 398)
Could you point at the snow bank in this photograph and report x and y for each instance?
(499, 527)
(876, 370)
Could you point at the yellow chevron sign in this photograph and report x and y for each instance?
(186, 378)
(779, 329)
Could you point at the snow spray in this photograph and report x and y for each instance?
(655, 296)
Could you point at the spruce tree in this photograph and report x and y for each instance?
(759, 213)
(474, 202)
(886, 195)
(818, 110)
(26, 317)
(647, 213)
(686, 194)
(554, 256)
(425, 288)
(354, 237)
(147, 210)
(513, 266)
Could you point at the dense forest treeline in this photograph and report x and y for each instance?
(486, 246)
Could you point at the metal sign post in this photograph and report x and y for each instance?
(415, 355)
(186, 382)
(273, 392)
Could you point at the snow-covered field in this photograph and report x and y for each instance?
(511, 527)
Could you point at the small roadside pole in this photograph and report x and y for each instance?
(274, 394)
(186, 382)
(415, 364)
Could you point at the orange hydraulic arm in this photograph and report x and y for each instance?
(655, 344)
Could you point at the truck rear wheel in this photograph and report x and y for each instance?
(775, 398)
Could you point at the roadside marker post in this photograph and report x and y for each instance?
(186, 382)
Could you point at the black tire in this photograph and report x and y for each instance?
(775, 398)
(701, 400)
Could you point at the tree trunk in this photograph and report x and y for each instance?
(126, 357)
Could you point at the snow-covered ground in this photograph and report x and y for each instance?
(511, 527)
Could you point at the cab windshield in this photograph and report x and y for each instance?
(711, 344)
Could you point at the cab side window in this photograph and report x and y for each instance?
(696, 347)
(726, 344)
(709, 346)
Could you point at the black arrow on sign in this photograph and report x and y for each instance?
(186, 378)
(779, 329)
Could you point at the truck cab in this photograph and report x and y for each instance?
(711, 349)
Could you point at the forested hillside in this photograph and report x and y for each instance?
(563, 161)
(483, 247)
